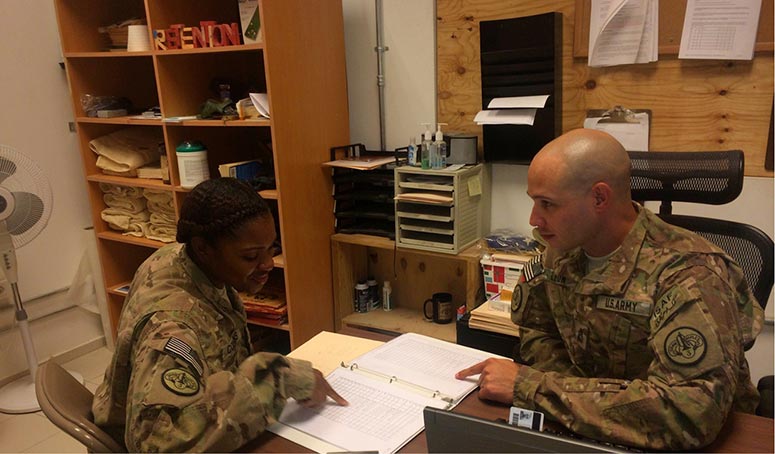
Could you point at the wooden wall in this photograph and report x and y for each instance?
(696, 104)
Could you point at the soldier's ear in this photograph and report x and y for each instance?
(602, 195)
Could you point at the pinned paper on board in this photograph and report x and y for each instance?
(720, 29)
(623, 32)
(629, 126)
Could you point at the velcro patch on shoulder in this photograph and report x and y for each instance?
(685, 346)
(669, 303)
(180, 381)
(533, 268)
(688, 344)
(181, 350)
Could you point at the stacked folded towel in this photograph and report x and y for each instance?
(126, 211)
(162, 225)
(123, 151)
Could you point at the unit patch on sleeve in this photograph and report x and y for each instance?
(516, 298)
(180, 381)
(685, 346)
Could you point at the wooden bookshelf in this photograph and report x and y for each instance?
(300, 64)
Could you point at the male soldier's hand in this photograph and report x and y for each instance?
(321, 392)
(496, 378)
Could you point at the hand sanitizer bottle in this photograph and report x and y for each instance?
(440, 154)
(425, 147)
(411, 153)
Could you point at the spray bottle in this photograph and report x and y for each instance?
(425, 147)
(440, 154)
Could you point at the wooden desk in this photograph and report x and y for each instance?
(741, 433)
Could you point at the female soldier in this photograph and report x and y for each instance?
(182, 377)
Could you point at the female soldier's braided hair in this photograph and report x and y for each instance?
(216, 208)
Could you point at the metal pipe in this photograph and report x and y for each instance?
(380, 49)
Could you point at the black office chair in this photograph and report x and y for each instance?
(716, 178)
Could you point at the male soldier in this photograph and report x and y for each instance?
(632, 330)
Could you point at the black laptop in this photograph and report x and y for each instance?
(455, 432)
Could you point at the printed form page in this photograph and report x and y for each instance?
(384, 413)
(426, 362)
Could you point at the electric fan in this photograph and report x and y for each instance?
(25, 206)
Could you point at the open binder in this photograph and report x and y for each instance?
(387, 389)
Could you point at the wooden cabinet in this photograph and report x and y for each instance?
(414, 276)
(300, 63)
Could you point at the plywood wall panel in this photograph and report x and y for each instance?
(696, 104)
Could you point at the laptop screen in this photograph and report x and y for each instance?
(454, 432)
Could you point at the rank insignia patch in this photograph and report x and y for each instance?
(180, 382)
(685, 346)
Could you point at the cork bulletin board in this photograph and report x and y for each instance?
(671, 22)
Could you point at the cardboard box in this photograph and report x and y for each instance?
(498, 275)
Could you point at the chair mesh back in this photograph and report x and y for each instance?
(751, 248)
(713, 177)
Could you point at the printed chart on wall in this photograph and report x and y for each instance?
(720, 29)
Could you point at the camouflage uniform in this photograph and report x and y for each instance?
(646, 350)
(182, 377)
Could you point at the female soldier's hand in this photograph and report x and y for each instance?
(321, 392)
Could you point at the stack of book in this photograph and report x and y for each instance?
(267, 307)
(492, 316)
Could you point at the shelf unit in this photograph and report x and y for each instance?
(300, 63)
(440, 210)
(414, 276)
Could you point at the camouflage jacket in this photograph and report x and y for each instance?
(182, 377)
(646, 350)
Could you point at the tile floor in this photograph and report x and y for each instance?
(33, 432)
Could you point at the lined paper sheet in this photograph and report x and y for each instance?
(380, 417)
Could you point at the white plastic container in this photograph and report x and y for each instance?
(192, 164)
(387, 297)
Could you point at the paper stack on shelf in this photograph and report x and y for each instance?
(267, 307)
(490, 317)
(515, 110)
(425, 197)
(261, 103)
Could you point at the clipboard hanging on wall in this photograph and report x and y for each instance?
(629, 126)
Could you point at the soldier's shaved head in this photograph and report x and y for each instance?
(582, 157)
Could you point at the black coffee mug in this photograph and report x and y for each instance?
(441, 308)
